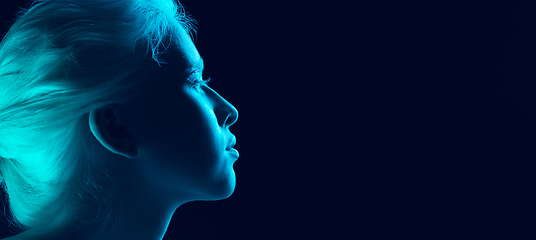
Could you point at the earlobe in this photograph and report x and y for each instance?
(105, 127)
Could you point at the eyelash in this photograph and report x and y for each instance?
(198, 83)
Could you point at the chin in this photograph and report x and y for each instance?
(227, 189)
(223, 188)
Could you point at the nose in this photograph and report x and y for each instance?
(226, 113)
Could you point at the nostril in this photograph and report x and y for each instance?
(233, 116)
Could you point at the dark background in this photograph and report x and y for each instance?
(384, 120)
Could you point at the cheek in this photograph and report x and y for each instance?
(182, 132)
(199, 122)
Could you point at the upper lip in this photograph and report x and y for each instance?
(232, 142)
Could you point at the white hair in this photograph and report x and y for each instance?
(60, 60)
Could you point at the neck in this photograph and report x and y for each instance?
(133, 224)
(139, 212)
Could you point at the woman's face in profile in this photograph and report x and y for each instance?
(183, 129)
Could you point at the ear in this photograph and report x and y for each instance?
(107, 128)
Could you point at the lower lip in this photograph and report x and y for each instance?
(233, 153)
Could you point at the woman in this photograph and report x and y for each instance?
(106, 125)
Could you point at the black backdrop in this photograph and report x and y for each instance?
(384, 120)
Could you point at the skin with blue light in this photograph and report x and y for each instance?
(167, 147)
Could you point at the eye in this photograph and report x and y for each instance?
(198, 82)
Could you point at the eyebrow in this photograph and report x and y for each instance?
(199, 66)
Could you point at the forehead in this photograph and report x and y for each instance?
(186, 52)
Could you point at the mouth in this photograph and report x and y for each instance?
(234, 153)
(232, 143)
